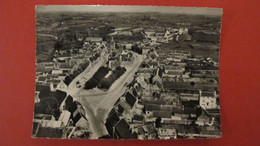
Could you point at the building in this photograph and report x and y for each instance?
(128, 105)
(167, 133)
(65, 117)
(208, 99)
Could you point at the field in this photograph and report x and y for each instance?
(69, 25)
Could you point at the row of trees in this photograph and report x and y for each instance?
(105, 83)
(94, 81)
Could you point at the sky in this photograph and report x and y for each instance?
(122, 8)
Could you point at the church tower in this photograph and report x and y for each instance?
(112, 44)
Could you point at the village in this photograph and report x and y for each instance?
(121, 87)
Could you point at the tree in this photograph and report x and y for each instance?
(58, 46)
(44, 93)
(105, 83)
(192, 84)
(90, 84)
(48, 105)
(158, 122)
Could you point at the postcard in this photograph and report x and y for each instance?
(127, 72)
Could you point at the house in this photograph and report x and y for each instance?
(169, 69)
(127, 105)
(189, 97)
(138, 119)
(203, 118)
(208, 99)
(59, 96)
(77, 112)
(123, 131)
(145, 50)
(158, 110)
(126, 58)
(150, 131)
(111, 121)
(130, 99)
(140, 132)
(65, 117)
(158, 76)
(167, 133)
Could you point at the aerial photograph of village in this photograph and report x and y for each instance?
(127, 72)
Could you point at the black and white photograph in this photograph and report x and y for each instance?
(127, 72)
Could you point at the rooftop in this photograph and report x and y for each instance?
(130, 99)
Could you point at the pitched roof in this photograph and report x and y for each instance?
(73, 107)
(135, 93)
(42, 78)
(113, 119)
(207, 93)
(138, 117)
(76, 118)
(130, 99)
(68, 79)
(69, 101)
(123, 131)
(59, 95)
(41, 87)
(35, 125)
(120, 109)
(162, 114)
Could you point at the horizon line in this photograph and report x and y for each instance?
(130, 9)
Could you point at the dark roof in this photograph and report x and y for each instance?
(130, 99)
(67, 80)
(41, 78)
(190, 103)
(138, 117)
(73, 107)
(176, 109)
(158, 102)
(41, 87)
(208, 94)
(60, 96)
(141, 130)
(49, 132)
(35, 125)
(189, 110)
(113, 119)
(162, 114)
(123, 132)
(111, 122)
(151, 129)
(68, 101)
(76, 118)
(158, 107)
(120, 109)
(152, 107)
(135, 93)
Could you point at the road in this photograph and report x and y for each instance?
(98, 103)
